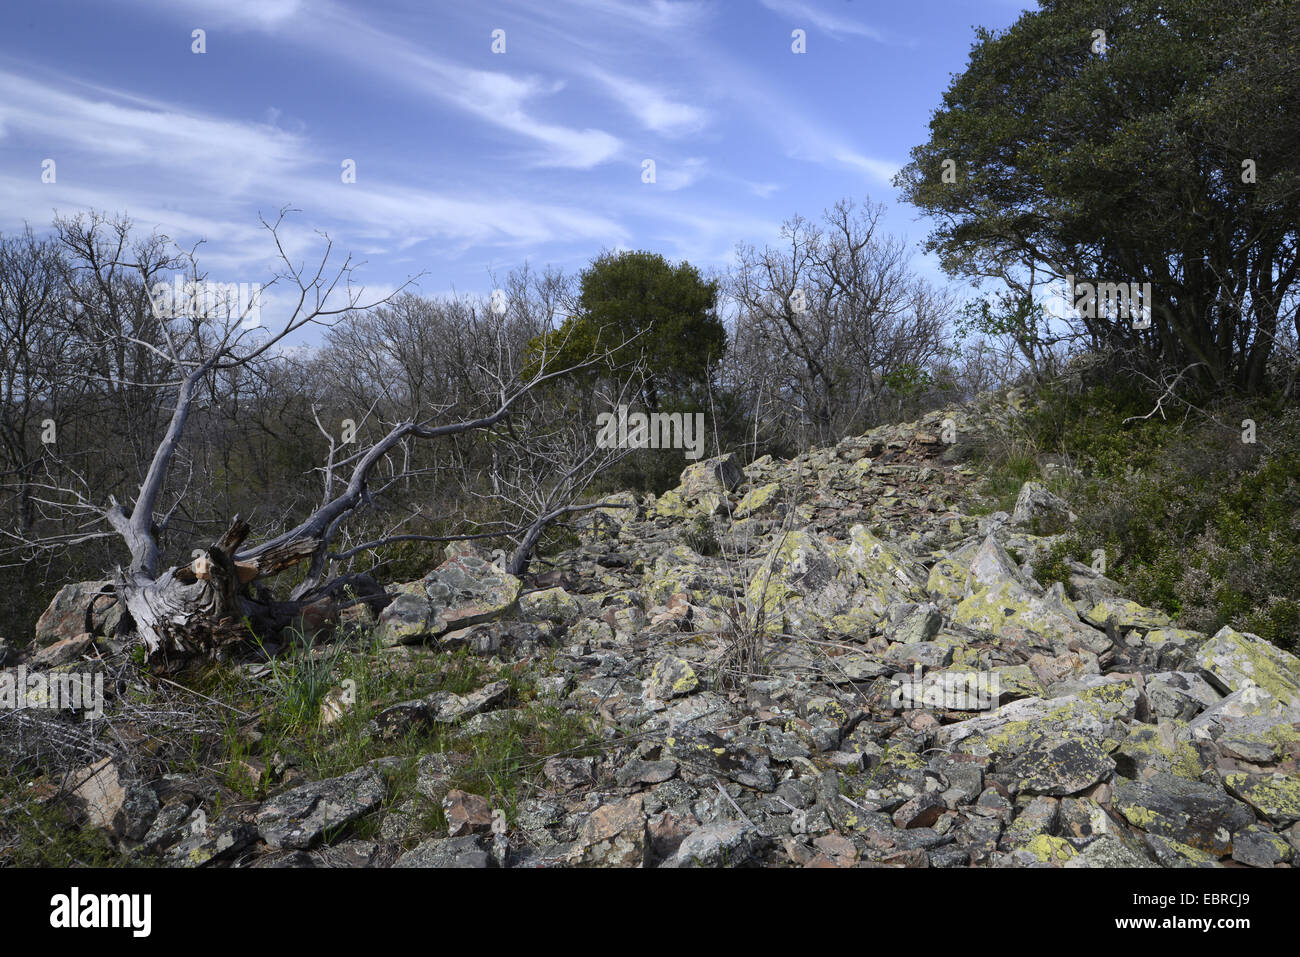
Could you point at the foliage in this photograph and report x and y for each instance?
(1124, 159)
(1192, 519)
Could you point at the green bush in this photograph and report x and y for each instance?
(1193, 519)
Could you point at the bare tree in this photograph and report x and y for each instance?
(838, 316)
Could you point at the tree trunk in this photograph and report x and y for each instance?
(199, 609)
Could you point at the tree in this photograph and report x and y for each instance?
(833, 319)
(1122, 156)
(649, 315)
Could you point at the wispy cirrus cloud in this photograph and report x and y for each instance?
(830, 23)
(651, 106)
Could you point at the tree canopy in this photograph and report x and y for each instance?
(1131, 142)
(645, 310)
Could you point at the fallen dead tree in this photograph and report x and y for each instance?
(222, 595)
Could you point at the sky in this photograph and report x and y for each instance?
(470, 161)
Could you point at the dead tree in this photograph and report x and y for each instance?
(200, 607)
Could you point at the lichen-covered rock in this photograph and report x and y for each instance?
(76, 609)
(1041, 511)
(1163, 748)
(1179, 695)
(672, 677)
(551, 604)
(455, 852)
(1192, 813)
(613, 835)
(717, 845)
(1126, 615)
(464, 590)
(300, 817)
(1231, 658)
(1060, 766)
(1275, 796)
(110, 798)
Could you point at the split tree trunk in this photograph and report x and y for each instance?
(200, 608)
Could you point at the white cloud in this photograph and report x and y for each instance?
(836, 26)
(879, 169)
(649, 104)
(680, 174)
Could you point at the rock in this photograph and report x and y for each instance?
(464, 590)
(1189, 812)
(461, 707)
(646, 772)
(569, 773)
(708, 754)
(456, 852)
(1179, 695)
(1231, 659)
(1041, 511)
(76, 609)
(1161, 748)
(441, 707)
(717, 845)
(1126, 615)
(466, 813)
(62, 652)
(1275, 796)
(299, 818)
(1065, 765)
(997, 599)
(613, 835)
(722, 473)
(1110, 852)
(1259, 847)
(336, 703)
(114, 800)
(208, 843)
(920, 811)
(552, 604)
(919, 625)
(672, 677)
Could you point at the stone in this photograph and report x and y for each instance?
(1275, 796)
(613, 835)
(1040, 511)
(717, 845)
(1126, 615)
(466, 813)
(1179, 695)
(464, 590)
(299, 818)
(1256, 846)
(76, 609)
(453, 852)
(61, 652)
(113, 800)
(1189, 812)
(1231, 659)
(672, 677)
(1060, 765)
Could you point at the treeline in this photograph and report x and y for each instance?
(797, 345)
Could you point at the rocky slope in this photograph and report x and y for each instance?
(820, 662)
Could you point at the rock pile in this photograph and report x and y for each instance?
(820, 662)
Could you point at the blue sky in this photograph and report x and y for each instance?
(469, 161)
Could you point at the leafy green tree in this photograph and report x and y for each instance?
(644, 312)
(1131, 141)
